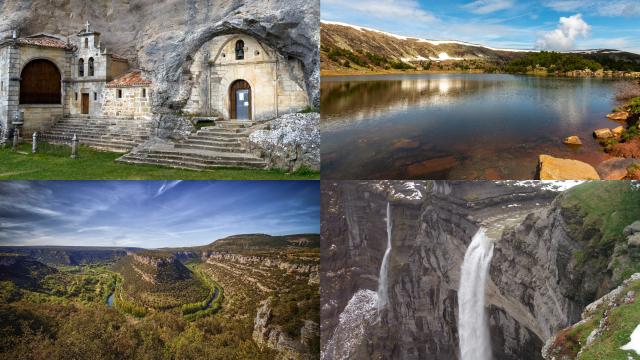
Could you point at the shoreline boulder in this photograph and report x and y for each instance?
(602, 133)
(617, 131)
(618, 116)
(552, 168)
(572, 140)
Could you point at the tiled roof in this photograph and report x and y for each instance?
(130, 79)
(45, 41)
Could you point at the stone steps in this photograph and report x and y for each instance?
(209, 148)
(189, 161)
(118, 135)
(214, 148)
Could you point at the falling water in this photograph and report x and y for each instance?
(383, 295)
(473, 326)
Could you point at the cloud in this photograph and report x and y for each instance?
(488, 6)
(565, 5)
(383, 9)
(166, 186)
(597, 7)
(565, 36)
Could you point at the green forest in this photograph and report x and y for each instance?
(204, 312)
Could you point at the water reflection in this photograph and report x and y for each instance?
(456, 126)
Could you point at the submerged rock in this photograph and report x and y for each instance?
(290, 142)
(572, 140)
(552, 168)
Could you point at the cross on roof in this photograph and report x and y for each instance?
(87, 25)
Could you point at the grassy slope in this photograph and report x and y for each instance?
(621, 322)
(604, 209)
(98, 165)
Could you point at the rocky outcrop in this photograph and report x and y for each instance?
(596, 321)
(262, 261)
(632, 233)
(267, 335)
(161, 37)
(290, 142)
(552, 168)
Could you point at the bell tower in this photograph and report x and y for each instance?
(89, 39)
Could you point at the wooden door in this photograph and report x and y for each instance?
(85, 103)
(240, 100)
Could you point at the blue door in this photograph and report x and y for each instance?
(242, 104)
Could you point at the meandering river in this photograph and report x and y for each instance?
(457, 126)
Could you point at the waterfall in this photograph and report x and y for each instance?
(383, 294)
(473, 327)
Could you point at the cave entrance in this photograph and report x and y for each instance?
(240, 100)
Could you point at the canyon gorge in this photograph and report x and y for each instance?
(541, 254)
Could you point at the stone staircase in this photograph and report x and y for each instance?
(117, 135)
(209, 148)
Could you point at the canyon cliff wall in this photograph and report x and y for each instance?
(533, 290)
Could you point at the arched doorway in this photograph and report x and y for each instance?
(240, 100)
(40, 83)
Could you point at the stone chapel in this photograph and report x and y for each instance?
(45, 77)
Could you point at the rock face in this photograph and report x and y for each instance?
(161, 37)
(264, 261)
(289, 142)
(537, 283)
(433, 223)
(267, 335)
(552, 168)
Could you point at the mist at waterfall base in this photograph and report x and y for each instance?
(383, 292)
(473, 327)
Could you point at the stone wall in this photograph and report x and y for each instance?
(39, 117)
(274, 89)
(4, 87)
(95, 89)
(131, 105)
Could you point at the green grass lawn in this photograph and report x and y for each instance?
(99, 165)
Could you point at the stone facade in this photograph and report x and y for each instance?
(276, 84)
(84, 68)
(131, 104)
(106, 67)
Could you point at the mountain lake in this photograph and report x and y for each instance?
(458, 126)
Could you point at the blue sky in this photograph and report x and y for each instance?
(541, 24)
(153, 214)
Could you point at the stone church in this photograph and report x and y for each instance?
(238, 77)
(45, 78)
